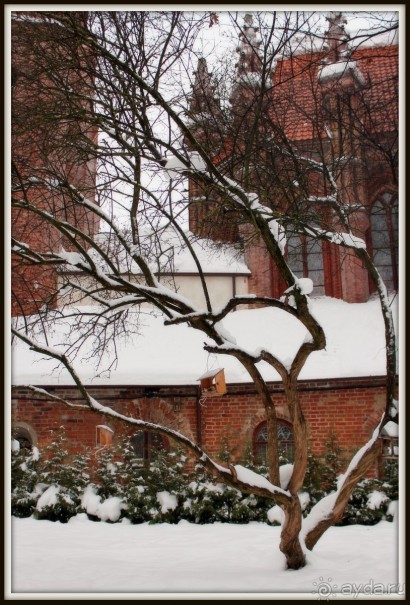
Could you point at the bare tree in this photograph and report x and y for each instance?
(125, 75)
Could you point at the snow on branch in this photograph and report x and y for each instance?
(75, 260)
(324, 509)
(53, 396)
(359, 455)
(330, 199)
(233, 303)
(250, 202)
(303, 284)
(348, 240)
(176, 166)
(249, 477)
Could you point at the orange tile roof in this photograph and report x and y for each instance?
(297, 93)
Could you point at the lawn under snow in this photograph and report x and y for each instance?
(86, 557)
(175, 355)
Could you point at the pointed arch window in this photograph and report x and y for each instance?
(286, 442)
(384, 238)
(305, 258)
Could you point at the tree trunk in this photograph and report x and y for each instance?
(300, 436)
(272, 449)
(290, 536)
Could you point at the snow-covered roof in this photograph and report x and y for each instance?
(171, 355)
(340, 69)
(211, 373)
(166, 252)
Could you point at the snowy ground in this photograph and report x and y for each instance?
(100, 559)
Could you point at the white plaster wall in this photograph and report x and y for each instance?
(221, 288)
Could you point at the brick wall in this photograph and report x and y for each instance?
(349, 409)
(265, 279)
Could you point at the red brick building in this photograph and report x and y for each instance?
(45, 153)
(337, 106)
(319, 100)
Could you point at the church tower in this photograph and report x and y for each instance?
(209, 217)
(341, 83)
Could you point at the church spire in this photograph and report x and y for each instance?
(249, 43)
(248, 67)
(336, 37)
(203, 94)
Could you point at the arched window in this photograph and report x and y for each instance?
(384, 238)
(22, 435)
(286, 442)
(25, 435)
(305, 258)
(145, 444)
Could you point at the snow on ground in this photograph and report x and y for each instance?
(86, 557)
(174, 354)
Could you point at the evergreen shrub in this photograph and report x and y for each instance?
(115, 484)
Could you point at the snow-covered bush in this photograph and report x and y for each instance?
(56, 504)
(138, 504)
(64, 478)
(370, 500)
(209, 501)
(109, 509)
(24, 478)
(370, 503)
(118, 485)
(107, 474)
(140, 491)
(165, 487)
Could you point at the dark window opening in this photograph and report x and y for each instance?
(146, 445)
(24, 438)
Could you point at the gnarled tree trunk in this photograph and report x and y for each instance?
(290, 543)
